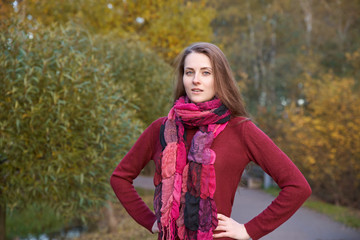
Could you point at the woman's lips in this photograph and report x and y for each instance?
(196, 90)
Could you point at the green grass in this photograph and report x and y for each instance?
(348, 216)
(127, 228)
(35, 220)
(39, 219)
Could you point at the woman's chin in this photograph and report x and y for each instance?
(199, 99)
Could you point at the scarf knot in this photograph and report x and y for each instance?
(184, 199)
(200, 114)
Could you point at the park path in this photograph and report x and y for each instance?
(304, 225)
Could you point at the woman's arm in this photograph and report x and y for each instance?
(129, 168)
(294, 187)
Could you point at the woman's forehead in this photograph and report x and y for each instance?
(197, 60)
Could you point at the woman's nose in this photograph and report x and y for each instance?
(196, 79)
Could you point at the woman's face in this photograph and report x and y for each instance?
(198, 78)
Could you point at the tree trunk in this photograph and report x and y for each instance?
(306, 7)
(2, 221)
(110, 217)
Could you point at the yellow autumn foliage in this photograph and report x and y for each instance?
(323, 137)
(165, 26)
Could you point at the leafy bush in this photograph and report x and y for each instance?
(68, 112)
(324, 138)
(145, 77)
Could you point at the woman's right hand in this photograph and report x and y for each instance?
(155, 228)
(230, 228)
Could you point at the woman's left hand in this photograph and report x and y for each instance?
(230, 228)
(155, 228)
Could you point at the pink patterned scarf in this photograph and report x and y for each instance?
(184, 198)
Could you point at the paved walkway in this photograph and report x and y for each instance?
(304, 225)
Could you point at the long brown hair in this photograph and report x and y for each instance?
(225, 85)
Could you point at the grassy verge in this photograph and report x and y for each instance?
(127, 227)
(348, 216)
(37, 219)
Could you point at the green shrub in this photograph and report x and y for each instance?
(68, 113)
(146, 78)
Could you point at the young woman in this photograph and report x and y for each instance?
(200, 151)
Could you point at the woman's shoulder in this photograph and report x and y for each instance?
(244, 125)
(152, 130)
(239, 121)
(156, 125)
(158, 122)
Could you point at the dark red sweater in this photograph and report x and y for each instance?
(238, 144)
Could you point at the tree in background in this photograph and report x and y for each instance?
(270, 44)
(252, 35)
(165, 26)
(68, 113)
(323, 137)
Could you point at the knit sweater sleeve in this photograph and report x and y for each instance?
(294, 187)
(129, 168)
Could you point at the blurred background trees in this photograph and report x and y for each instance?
(324, 137)
(297, 63)
(165, 26)
(80, 80)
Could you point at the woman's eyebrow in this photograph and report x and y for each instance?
(209, 68)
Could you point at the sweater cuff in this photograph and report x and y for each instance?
(150, 224)
(252, 231)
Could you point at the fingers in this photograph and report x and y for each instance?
(220, 235)
(221, 217)
(227, 227)
(222, 222)
(221, 228)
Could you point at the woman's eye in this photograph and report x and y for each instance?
(206, 73)
(189, 72)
